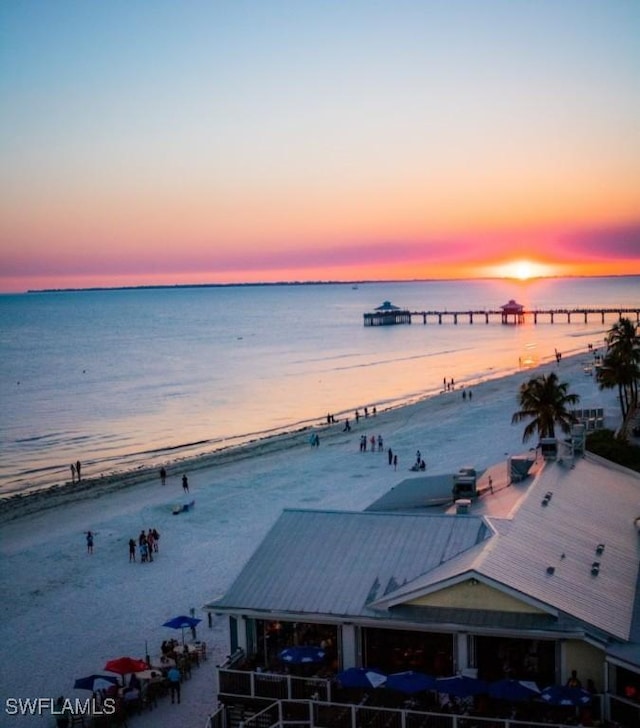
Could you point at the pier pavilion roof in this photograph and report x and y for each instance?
(512, 307)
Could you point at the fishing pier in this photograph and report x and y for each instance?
(510, 313)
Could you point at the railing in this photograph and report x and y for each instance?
(271, 685)
(624, 712)
(291, 690)
(218, 719)
(314, 714)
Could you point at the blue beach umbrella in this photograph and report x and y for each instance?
(410, 682)
(461, 686)
(182, 622)
(513, 690)
(565, 695)
(361, 677)
(95, 682)
(302, 654)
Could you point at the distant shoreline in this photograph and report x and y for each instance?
(259, 284)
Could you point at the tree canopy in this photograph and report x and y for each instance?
(621, 365)
(545, 400)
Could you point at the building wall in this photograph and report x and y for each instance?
(586, 660)
(469, 595)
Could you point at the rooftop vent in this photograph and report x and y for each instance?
(599, 549)
(595, 568)
(463, 505)
(548, 448)
(551, 570)
(547, 497)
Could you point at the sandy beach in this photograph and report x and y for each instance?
(66, 612)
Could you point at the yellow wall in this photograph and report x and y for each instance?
(474, 596)
(586, 660)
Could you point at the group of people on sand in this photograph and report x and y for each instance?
(76, 471)
(147, 545)
(419, 463)
(372, 441)
(185, 480)
(374, 412)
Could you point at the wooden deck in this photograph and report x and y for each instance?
(549, 315)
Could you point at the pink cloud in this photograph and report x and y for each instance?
(617, 242)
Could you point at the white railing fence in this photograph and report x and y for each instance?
(315, 714)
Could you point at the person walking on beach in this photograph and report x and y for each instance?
(390, 456)
(174, 677)
(149, 545)
(395, 462)
(89, 542)
(78, 467)
(73, 473)
(185, 483)
(132, 550)
(163, 475)
(156, 536)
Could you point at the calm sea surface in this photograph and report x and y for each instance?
(121, 379)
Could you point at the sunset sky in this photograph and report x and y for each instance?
(228, 141)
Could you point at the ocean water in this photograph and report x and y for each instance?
(121, 379)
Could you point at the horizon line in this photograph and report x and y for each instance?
(319, 282)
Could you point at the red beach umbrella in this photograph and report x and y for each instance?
(125, 665)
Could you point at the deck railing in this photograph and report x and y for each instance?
(314, 714)
(217, 719)
(307, 702)
(273, 686)
(624, 712)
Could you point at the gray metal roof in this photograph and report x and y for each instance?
(592, 503)
(337, 562)
(372, 564)
(417, 492)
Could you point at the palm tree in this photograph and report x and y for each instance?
(621, 365)
(545, 400)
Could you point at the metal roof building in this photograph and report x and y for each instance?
(546, 573)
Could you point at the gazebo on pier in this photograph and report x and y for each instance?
(387, 315)
(512, 309)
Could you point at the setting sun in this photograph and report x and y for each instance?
(523, 270)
